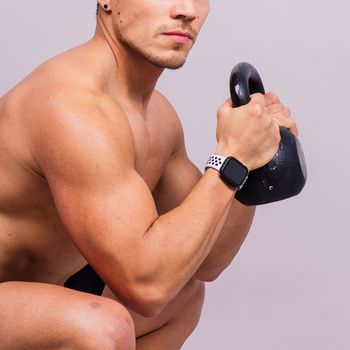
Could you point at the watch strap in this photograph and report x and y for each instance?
(215, 161)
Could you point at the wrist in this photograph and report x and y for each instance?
(225, 150)
(218, 184)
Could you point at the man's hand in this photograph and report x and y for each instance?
(248, 133)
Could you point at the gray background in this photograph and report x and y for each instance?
(289, 286)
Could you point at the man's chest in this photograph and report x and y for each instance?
(154, 142)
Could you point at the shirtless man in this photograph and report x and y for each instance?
(94, 171)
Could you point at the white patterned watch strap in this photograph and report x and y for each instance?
(215, 161)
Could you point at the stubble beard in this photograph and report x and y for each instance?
(173, 62)
(166, 64)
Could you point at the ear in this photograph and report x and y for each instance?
(105, 5)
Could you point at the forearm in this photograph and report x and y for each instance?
(180, 240)
(235, 228)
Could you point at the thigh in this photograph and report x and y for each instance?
(44, 316)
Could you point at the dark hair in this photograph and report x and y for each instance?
(97, 9)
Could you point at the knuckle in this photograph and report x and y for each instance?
(256, 109)
(272, 98)
(277, 136)
(296, 131)
(258, 96)
(219, 116)
(222, 110)
(275, 96)
(290, 124)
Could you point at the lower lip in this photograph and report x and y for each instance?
(179, 38)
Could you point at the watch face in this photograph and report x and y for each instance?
(234, 172)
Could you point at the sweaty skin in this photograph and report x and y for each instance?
(93, 157)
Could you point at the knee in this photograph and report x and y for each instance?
(105, 324)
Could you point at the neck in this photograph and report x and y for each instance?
(127, 73)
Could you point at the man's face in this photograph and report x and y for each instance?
(162, 31)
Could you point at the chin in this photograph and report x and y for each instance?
(169, 64)
(175, 61)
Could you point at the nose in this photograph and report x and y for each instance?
(184, 9)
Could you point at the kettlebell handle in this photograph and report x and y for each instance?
(244, 81)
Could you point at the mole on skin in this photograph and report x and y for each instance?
(95, 305)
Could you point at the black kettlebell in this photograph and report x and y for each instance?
(285, 175)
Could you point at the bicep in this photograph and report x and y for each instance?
(101, 219)
(177, 181)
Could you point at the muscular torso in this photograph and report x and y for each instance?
(34, 245)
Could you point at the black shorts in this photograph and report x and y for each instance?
(86, 280)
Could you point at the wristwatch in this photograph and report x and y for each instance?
(231, 170)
